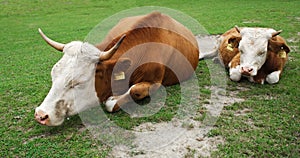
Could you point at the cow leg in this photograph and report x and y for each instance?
(273, 77)
(257, 79)
(234, 68)
(136, 92)
(260, 77)
(234, 73)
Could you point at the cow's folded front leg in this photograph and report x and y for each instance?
(235, 74)
(111, 103)
(234, 68)
(257, 79)
(136, 92)
(273, 77)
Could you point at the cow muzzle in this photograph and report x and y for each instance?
(247, 71)
(42, 118)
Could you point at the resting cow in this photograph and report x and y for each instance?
(256, 53)
(128, 64)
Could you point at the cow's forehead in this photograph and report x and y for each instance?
(255, 39)
(72, 61)
(257, 33)
(73, 48)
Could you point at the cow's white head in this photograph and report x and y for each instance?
(73, 81)
(253, 47)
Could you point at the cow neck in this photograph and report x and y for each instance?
(103, 79)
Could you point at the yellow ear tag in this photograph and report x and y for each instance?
(229, 47)
(119, 76)
(282, 54)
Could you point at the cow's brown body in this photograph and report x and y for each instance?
(152, 29)
(277, 54)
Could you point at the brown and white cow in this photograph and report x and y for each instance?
(119, 69)
(257, 53)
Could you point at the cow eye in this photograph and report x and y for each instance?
(260, 53)
(72, 84)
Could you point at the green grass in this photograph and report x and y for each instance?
(271, 129)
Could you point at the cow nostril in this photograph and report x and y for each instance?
(246, 69)
(42, 118)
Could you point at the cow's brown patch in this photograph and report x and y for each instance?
(60, 108)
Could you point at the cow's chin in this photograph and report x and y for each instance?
(249, 74)
(56, 123)
(254, 73)
(52, 122)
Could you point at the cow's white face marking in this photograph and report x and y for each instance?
(73, 83)
(253, 47)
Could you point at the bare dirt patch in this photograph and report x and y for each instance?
(177, 138)
(229, 98)
(208, 45)
(156, 140)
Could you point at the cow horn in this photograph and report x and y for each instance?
(237, 29)
(276, 33)
(56, 45)
(108, 54)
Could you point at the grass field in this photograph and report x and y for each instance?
(270, 129)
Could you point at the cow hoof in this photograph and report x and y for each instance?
(273, 77)
(235, 74)
(110, 103)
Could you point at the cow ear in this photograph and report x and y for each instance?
(277, 43)
(276, 33)
(237, 29)
(234, 41)
(286, 48)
